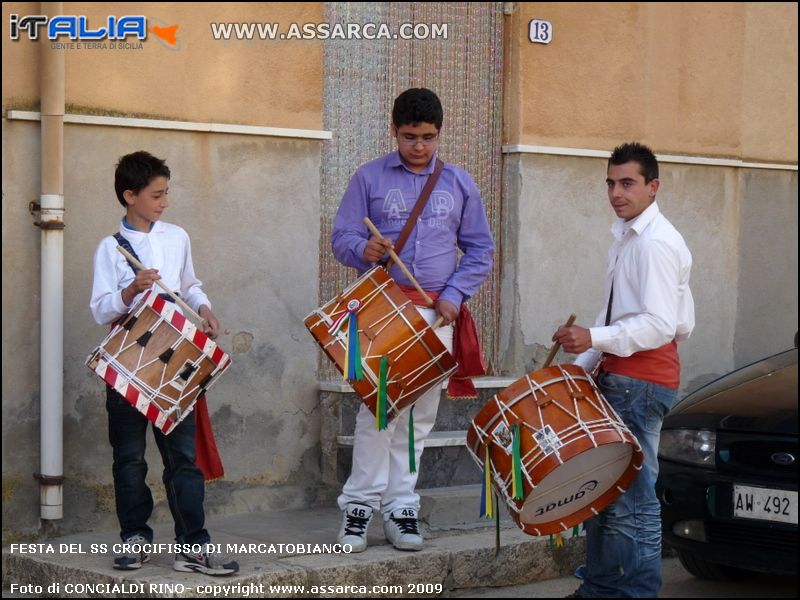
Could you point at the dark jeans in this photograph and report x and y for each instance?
(623, 543)
(127, 431)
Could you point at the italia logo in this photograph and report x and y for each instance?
(76, 27)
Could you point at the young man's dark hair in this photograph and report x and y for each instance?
(639, 153)
(417, 105)
(135, 171)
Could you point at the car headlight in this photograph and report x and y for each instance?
(690, 446)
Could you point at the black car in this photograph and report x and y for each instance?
(728, 473)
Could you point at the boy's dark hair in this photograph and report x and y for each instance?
(417, 105)
(639, 153)
(135, 172)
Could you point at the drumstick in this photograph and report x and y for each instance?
(399, 262)
(557, 345)
(174, 296)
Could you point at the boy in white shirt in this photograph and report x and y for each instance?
(141, 182)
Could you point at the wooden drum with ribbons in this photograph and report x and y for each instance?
(554, 449)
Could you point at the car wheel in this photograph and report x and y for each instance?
(704, 569)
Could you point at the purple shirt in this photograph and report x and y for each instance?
(386, 190)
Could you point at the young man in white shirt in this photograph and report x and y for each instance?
(649, 308)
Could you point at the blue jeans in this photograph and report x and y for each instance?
(127, 431)
(623, 543)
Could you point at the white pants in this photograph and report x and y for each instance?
(380, 476)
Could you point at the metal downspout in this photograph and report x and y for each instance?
(51, 474)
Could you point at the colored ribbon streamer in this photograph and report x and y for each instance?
(351, 369)
(381, 407)
(516, 473)
(354, 372)
(487, 509)
(337, 324)
(412, 453)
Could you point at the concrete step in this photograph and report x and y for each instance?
(455, 507)
(436, 439)
(480, 383)
(286, 549)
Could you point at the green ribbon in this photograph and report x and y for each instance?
(516, 477)
(380, 408)
(412, 453)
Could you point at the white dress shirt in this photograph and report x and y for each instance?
(165, 247)
(650, 266)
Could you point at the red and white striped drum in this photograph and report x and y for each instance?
(388, 325)
(158, 361)
(576, 454)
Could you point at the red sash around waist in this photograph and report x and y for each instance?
(661, 366)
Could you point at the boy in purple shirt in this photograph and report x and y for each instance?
(386, 190)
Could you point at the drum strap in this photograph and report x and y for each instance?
(611, 294)
(599, 367)
(417, 210)
(123, 241)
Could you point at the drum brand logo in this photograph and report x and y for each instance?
(587, 486)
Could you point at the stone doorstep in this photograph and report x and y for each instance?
(500, 383)
(455, 507)
(436, 439)
(460, 560)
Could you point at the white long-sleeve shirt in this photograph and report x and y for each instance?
(650, 266)
(165, 247)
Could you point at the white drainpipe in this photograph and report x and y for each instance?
(51, 221)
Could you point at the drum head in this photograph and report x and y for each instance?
(577, 484)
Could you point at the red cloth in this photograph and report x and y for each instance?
(661, 366)
(207, 459)
(466, 349)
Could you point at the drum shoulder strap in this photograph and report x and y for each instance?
(421, 202)
(122, 241)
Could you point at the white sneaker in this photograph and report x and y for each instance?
(134, 555)
(355, 523)
(207, 561)
(402, 529)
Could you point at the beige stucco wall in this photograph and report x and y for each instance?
(712, 79)
(701, 79)
(275, 83)
(740, 225)
(708, 79)
(557, 237)
(251, 207)
(766, 319)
